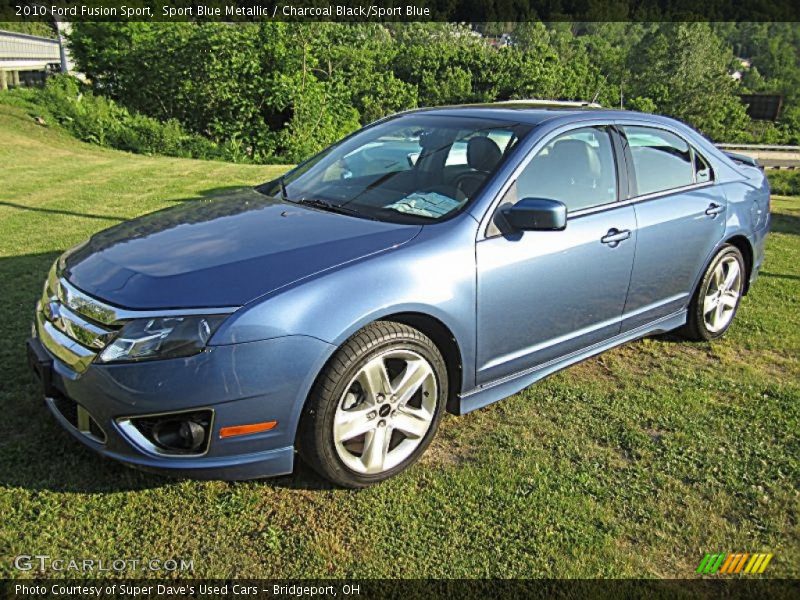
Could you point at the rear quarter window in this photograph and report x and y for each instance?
(703, 173)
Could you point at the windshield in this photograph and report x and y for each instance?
(411, 169)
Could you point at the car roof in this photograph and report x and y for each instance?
(531, 112)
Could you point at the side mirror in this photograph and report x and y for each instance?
(537, 214)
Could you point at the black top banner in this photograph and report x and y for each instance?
(471, 11)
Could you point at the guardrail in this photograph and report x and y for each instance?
(26, 59)
(22, 52)
(769, 156)
(757, 147)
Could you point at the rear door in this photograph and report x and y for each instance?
(680, 219)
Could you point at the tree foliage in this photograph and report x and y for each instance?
(30, 28)
(280, 91)
(681, 69)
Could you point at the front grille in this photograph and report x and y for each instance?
(72, 325)
(78, 417)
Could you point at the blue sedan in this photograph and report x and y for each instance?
(439, 259)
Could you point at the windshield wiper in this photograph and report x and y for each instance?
(330, 207)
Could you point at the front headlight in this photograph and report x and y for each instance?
(161, 337)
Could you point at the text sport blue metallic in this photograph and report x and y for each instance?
(439, 259)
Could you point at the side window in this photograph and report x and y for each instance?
(661, 160)
(576, 168)
(702, 170)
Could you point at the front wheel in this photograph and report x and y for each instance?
(375, 407)
(717, 297)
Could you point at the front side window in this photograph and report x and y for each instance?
(661, 160)
(576, 168)
(411, 169)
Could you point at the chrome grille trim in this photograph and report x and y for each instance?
(75, 327)
(76, 300)
(67, 350)
(113, 316)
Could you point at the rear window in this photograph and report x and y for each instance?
(661, 160)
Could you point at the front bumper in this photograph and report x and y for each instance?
(241, 383)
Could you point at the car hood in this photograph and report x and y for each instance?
(219, 252)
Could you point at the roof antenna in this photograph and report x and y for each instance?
(599, 88)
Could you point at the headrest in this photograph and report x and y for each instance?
(483, 154)
(579, 155)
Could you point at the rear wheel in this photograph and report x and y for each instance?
(375, 407)
(717, 298)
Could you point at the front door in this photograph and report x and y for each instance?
(543, 295)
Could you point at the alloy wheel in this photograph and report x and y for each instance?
(385, 411)
(722, 295)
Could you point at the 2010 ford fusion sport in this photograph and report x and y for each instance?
(440, 259)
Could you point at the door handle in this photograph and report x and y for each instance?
(615, 236)
(714, 209)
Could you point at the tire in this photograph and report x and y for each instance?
(354, 395)
(709, 319)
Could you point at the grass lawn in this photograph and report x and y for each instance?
(632, 464)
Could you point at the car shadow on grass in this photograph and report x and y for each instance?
(56, 211)
(783, 223)
(35, 452)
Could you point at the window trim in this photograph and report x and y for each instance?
(624, 171)
(620, 165)
(631, 173)
(623, 180)
(644, 198)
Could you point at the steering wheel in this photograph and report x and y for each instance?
(468, 182)
(451, 191)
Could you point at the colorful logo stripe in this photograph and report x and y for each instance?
(734, 563)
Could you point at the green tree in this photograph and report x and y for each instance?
(30, 28)
(682, 69)
(279, 91)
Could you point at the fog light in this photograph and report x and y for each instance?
(184, 433)
(179, 434)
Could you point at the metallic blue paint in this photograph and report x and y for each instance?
(222, 252)
(241, 383)
(519, 306)
(561, 290)
(674, 241)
